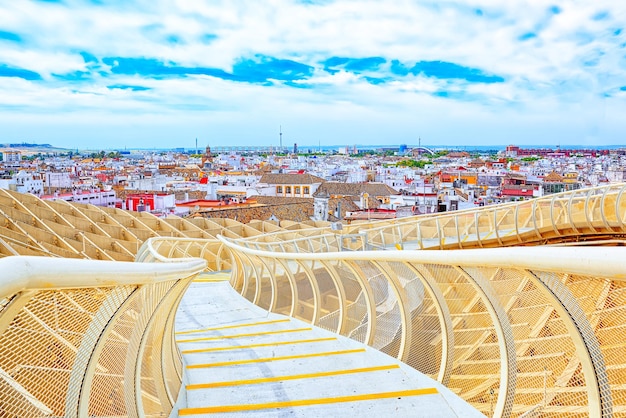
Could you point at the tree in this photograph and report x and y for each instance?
(439, 154)
(530, 159)
(411, 163)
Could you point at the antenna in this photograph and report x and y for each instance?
(280, 133)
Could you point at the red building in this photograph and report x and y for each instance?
(516, 186)
(150, 202)
(515, 151)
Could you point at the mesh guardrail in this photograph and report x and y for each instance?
(511, 330)
(519, 331)
(89, 338)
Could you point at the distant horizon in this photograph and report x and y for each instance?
(313, 148)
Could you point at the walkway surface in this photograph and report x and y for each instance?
(240, 360)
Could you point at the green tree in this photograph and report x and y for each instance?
(439, 154)
(412, 163)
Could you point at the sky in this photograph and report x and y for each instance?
(105, 74)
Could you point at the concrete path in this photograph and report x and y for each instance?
(240, 360)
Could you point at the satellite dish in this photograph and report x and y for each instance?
(196, 208)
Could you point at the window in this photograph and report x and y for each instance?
(287, 189)
(296, 190)
(306, 189)
(279, 189)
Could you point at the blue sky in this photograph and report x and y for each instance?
(160, 73)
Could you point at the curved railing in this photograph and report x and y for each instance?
(85, 338)
(511, 330)
(165, 250)
(586, 214)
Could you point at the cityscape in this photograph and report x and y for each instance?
(299, 184)
(472, 284)
(312, 208)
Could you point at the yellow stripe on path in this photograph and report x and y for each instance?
(211, 280)
(291, 377)
(250, 324)
(222, 337)
(241, 347)
(268, 359)
(306, 402)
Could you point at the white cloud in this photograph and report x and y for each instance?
(572, 59)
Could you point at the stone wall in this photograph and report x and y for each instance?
(298, 212)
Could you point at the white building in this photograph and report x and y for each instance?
(27, 182)
(10, 156)
(106, 198)
(289, 185)
(157, 183)
(57, 179)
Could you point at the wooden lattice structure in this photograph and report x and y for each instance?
(533, 331)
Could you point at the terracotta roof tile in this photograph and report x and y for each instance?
(354, 189)
(553, 177)
(270, 178)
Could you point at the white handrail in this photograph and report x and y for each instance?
(32, 273)
(579, 260)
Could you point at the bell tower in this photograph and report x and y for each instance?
(207, 158)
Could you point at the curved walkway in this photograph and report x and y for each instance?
(535, 331)
(240, 360)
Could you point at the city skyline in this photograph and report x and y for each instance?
(142, 74)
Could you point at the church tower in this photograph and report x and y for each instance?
(207, 158)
